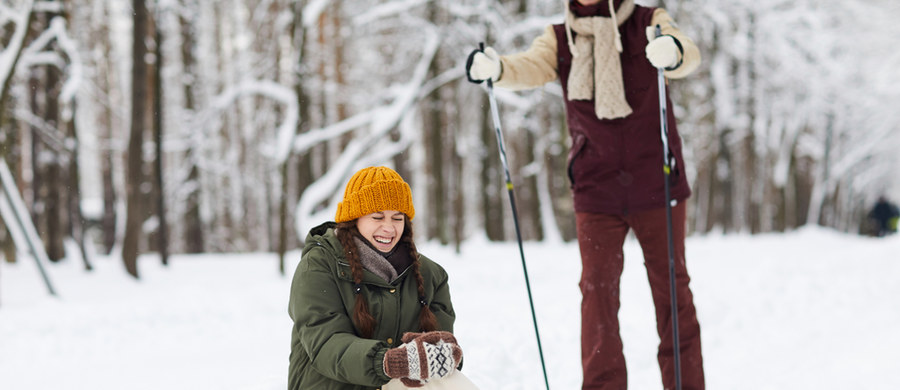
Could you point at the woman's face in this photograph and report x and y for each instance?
(383, 228)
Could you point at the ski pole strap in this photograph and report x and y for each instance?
(680, 51)
(469, 62)
(490, 82)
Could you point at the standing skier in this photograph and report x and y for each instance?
(368, 310)
(600, 55)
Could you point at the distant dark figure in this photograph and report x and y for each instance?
(885, 215)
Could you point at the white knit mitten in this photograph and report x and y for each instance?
(663, 52)
(484, 65)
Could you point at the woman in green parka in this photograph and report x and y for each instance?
(366, 306)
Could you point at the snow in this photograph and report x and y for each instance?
(809, 309)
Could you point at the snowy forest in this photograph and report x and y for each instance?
(199, 126)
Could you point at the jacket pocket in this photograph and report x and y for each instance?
(578, 143)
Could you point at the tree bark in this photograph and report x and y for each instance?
(77, 226)
(193, 224)
(296, 173)
(8, 126)
(162, 238)
(135, 163)
(491, 178)
(47, 151)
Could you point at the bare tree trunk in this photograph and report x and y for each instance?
(492, 180)
(108, 218)
(283, 217)
(135, 163)
(70, 184)
(726, 202)
(106, 120)
(555, 206)
(434, 169)
(292, 185)
(9, 144)
(530, 205)
(162, 229)
(331, 72)
(77, 226)
(48, 151)
(457, 181)
(193, 225)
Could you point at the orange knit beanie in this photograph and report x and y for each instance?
(375, 189)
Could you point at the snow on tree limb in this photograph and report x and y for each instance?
(312, 11)
(272, 90)
(384, 10)
(309, 139)
(9, 57)
(36, 54)
(76, 69)
(17, 55)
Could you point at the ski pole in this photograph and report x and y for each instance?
(495, 115)
(18, 218)
(667, 169)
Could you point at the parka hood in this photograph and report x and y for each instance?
(321, 229)
(323, 235)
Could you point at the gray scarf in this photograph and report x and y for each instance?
(374, 261)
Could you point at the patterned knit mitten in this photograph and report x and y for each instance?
(422, 357)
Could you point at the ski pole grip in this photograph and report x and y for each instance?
(490, 83)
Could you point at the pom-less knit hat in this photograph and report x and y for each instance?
(375, 189)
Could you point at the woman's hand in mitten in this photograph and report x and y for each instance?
(663, 52)
(482, 65)
(422, 357)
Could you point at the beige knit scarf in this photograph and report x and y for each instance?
(596, 68)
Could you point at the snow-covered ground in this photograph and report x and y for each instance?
(811, 309)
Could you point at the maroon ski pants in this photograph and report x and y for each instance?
(600, 238)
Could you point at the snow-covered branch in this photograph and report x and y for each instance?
(312, 11)
(385, 10)
(308, 140)
(9, 56)
(358, 152)
(272, 90)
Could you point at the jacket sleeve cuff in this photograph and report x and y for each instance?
(378, 364)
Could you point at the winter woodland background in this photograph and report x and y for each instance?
(229, 127)
(189, 126)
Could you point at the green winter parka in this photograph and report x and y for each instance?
(327, 352)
